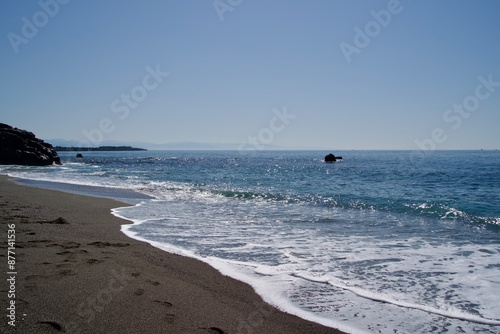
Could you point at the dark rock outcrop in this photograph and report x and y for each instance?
(20, 147)
(331, 158)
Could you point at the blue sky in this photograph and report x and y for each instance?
(346, 74)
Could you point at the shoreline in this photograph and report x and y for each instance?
(81, 274)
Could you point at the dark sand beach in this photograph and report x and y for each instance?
(77, 273)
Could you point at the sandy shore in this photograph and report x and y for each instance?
(80, 274)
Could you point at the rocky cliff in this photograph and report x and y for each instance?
(20, 147)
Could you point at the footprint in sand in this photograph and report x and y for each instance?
(169, 318)
(57, 326)
(214, 330)
(92, 261)
(70, 245)
(139, 292)
(66, 272)
(58, 221)
(153, 282)
(102, 244)
(31, 243)
(63, 253)
(164, 303)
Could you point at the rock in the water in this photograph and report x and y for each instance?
(79, 155)
(20, 147)
(331, 158)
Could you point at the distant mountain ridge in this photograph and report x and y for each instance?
(164, 146)
(100, 148)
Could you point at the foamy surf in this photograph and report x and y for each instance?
(383, 298)
(278, 264)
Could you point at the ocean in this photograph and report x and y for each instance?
(380, 242)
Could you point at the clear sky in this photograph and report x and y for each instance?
(313, 74)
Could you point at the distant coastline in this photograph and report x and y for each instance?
(100, 148)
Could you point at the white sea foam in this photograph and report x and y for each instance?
(242, 271)
(385, 298)
(410, 285)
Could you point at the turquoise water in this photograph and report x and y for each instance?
(383, 241)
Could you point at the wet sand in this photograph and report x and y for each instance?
(77, 273)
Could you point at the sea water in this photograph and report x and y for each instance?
(380, 242)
